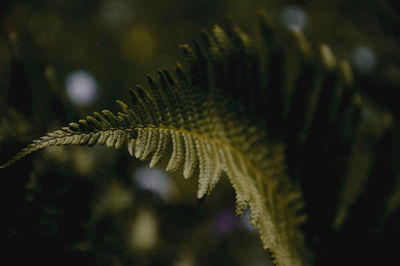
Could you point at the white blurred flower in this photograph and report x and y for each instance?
(293, 17)
(363, 59)
(81, 88)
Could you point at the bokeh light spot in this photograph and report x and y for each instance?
(224, 221)
(363, 59)
(115, 198)
(244, 222)
(154, 180)
(293, 17)
(81, 88)
(116, 13)
(144, 231)
(138, 46)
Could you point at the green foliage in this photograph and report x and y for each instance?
(172, 122)
(234, 114)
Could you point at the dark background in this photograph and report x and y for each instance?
(79, 205)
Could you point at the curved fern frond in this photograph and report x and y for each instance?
(194, 123)
(172, 122)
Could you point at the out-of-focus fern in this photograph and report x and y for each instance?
(233, 113)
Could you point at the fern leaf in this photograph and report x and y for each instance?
(201, 143)
(190, 157)
(191, 124)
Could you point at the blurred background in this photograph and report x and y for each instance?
(61, 60)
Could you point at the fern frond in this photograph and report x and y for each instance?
(172, 122)
(193, 123)
(103, 128)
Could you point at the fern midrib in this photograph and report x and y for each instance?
(234, 150)
(216, 141)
